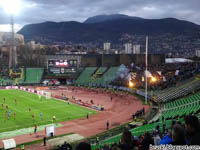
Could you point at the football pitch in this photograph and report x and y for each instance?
(31, 110)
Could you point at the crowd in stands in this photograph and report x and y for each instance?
(139, 113)
(167, 75)
(4, 72)
(177, 135)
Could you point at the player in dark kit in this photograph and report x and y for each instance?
(35, 128)
(107, 124)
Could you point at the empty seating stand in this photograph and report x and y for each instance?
(97, 76)
(110, 75)
(183, 106)
(178, 91)
(89, 75)
(34, 75)
(85, 76)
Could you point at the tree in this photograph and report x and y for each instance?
(29, 57)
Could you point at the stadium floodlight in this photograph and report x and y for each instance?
(131, 84)
(11, 7)
(153, 79)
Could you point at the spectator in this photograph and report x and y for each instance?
(192, 130)
(156, 138)
(127, 141)
(164, 128)
(158, 128)
(147, 141)
(178, 136)
(106, 147)
(67, 146)
(115, 147)
(83, 146)
(166, 139)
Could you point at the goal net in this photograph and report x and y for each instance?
(48, 95)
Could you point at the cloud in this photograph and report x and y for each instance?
(36, 11)
(7, 27)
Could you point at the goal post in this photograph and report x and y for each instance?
(48, 95)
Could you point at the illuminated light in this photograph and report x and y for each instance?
(131, 84)
(11, 6)
(153, 79)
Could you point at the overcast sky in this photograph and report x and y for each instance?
(36, 11)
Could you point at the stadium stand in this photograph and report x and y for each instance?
(33, 75)
(173, 112)
(17, 75)
(6, 81)
(110, 75)
(97, 76)
(4, 77)
(85, 76)
(177, 91)
(140, 138)
(93, 75)
(183, 106)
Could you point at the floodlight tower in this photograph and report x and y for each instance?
(12, 7)
(13, 51)
(146, 64)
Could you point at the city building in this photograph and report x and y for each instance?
(6, 38)
(197, 53)
(34, 46)
(106, 46)
(136, 49)
(128, 48)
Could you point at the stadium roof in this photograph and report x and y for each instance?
(177, 60)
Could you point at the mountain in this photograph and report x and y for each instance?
(103, 18)
(116, 29)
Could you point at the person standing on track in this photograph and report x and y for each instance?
(35, 128)
(107, 124)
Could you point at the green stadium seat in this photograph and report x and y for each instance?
(34, 75)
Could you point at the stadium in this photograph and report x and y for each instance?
(61, 90)
(97, 99)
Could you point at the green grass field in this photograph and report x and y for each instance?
(48, 107)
